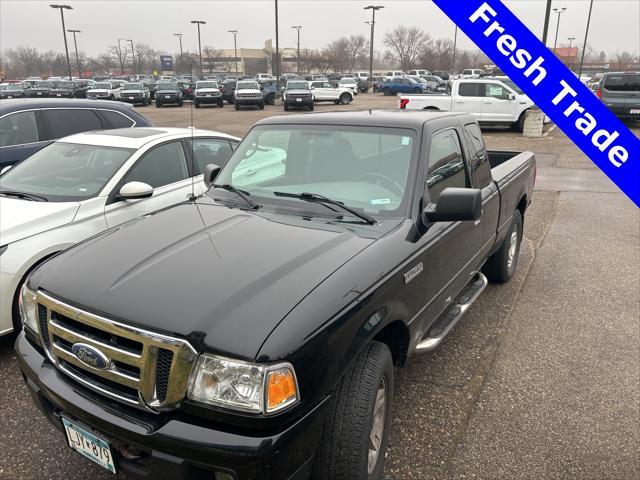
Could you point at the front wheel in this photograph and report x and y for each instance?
(196, 104)
(261, 106)
(386, 92)
(356, 432)
(237, 106)
(286, 107)
(311, 107)
(345, 98)
(501, 265)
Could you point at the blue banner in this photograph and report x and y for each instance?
(552, 87)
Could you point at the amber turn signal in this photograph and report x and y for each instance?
(282, 389)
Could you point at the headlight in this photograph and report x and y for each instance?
(243, 386)
(29, 309)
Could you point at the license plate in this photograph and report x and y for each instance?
(39, 93)
(167, 97)
(298, 99)
(89, 445)
(208, 94)
(9, 96)
(130, 98)
(58, 94)
(634, 111)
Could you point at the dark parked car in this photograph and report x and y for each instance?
(64, 89)
(377, 83)
(186, 87)
(442, 74)
(227, 88)
(168, 93)
(28, 125)
(252, 333)
(39, 89)
(441, 83)
(621, 93)
(405, 85)
(297, 94)
(363, 85)
(13, 90)
(269, 90)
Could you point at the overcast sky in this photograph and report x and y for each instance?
(615, 23)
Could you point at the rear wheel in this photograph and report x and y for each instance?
(501, 265)
(519, 125)
(355, 436)
(386, 92)
(345, 98)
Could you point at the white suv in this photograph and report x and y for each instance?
(89, 182)
(105, 90)
(324, 91)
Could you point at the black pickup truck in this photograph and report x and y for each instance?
(252, 333)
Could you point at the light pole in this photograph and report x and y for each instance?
(62, 8)
(373, 9)
(571, 39)
(455, 44)
(559, 11)
(298, 28)
(584, 45)
(120, 56)
(133, 56)
(199, 22)
(547, 15)
(235, 48)
(179, 35)
(277, 51)
(76, 45)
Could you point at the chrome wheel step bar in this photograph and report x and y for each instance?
(443, 325)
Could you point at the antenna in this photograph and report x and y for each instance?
(193, 197)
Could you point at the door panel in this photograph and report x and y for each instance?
(469, 99)
(496, 106)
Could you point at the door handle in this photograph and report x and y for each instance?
(478, 222)
(459, 101)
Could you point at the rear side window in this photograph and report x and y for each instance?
(470, 89)
(18, 128)
(117, 119)
(622, 83)
(69, 121)
(446, 164)
(479, 166)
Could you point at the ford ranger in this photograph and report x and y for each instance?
(492, 102)
(252, 333)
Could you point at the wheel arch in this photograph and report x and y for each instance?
(396, 336)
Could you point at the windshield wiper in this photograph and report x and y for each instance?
(25, 196)
(241, 193)
(326, 201)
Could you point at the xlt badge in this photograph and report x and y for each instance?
(413, 273)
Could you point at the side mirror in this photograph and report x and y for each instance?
(512, 96)
(135, 190)
(5, 169)
(455, 204)
(211, 171)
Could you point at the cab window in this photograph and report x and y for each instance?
(471, 89)
(495, 90)
(163, 165)
(446, 164)
(18, 128)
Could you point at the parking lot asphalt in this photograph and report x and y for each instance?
(540, 380)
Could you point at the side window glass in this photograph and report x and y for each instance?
(262, 162)
(18, 129)
(494, 90)
(69, 121)
(470, 89)
(117, 120)
(163, 165)
(210, 150)
(446, 165)
(481, 168)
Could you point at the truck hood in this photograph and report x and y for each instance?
(207, 90)
(201, 269)
(137, 92)
(248, 90)
(99, 90)
(168, 92)
(298, 92)
(23, 218)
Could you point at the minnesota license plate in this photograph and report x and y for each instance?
(634, 111)
(58, 94)
(298, 99)
(89, 445)
(130, 98)
(167, 97)
(208, 94)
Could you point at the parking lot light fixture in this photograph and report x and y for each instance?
(199, 22)
(586, 36)
(298, 28)
(62, 8)
(75, 43)
(559, 11)
(235, 48)
(373, 9)
(133, 56)
(571, 39)
(120, 55)
(179, 35)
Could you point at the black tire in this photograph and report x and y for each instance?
(180, 103)
(237, 106)
(271, 99)
(499, 268)
(345, 99)
(337, 102)
(196, 104)
(158, 105)
(519, 125)
(221, 103)
(286, 107)
(261, 106)
(416, 90)
(344, 446)
(311, 107)
(386, 92)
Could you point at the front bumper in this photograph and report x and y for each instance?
(249, 100)
(134, 100)
(211, 99)
(624, 111)
(304, 102)
(160, 98)
(176, 447)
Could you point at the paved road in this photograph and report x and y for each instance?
(541, 380)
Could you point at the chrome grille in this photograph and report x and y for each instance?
(145, 369)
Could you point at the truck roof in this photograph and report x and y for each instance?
(379, 118)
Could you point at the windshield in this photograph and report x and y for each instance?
(102, 85)
(622, 83)
(132, 86)
(247, 85)
(207, 85)
(417, 79)
(364, 167)
(44, 84)
(66, 84)
(14, 86)
(347, 81)
(167, 86)
(65, 171)
(511, 84)
(297, 85)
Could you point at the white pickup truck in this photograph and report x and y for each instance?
(491, 101)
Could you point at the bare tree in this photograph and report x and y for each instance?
(406, 45)
(357, 48)
(336, 54)
(120, 54)
(211, 55)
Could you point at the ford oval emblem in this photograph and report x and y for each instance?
(90, 356)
